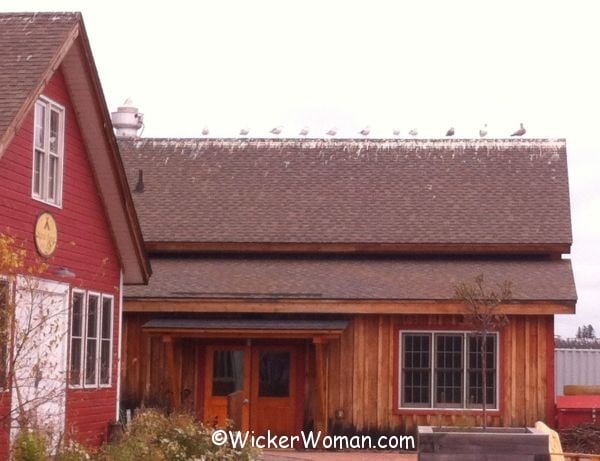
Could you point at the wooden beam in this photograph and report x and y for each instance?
(170, 354)
(335, 306)
(550, 249)
(242, 333)
(320, 386)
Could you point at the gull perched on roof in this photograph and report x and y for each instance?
(450, 131)
(332, 131)
(413, 132)
(483, 131)
(304, 131)
(205, 131)
(277, 130)
(365, 131)
(520, 132)
(244, 131)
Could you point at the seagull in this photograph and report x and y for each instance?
(205, 131)
(277, 130)
(365, 131)
(304, 131)
(396, 132)
(483, 131)
(520, 132)
(244, 131)
(450, 131)
(413, 132)
(332, 132)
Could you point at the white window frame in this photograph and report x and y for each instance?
(432, 380)
(42, 195)
(94, 383)
(110, 339)
(81, 338)
(82, 383)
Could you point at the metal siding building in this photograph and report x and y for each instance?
(576, 366)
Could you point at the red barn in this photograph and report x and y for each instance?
(64, 199)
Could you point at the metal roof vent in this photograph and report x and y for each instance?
(127, 120)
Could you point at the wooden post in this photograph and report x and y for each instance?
(170, 353)
(320, 386)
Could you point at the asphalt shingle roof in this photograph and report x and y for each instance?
(494, 191)
(346, 278)
(28, 44)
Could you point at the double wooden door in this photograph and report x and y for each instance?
(256, 386)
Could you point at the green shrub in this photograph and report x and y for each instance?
(154, 436)
(30, 445)
(73, 452)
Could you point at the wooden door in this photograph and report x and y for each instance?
(227, 385)
(256, 387)
(274, 396)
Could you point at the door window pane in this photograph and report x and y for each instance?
(274, 374)
(228, 372)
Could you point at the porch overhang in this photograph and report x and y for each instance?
(251, 328)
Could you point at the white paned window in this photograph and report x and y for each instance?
(443, 370)
(91, 339)
(48, 151)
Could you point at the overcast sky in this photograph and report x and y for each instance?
(397, 64)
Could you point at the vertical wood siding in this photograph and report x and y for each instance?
(362, 377)
(361, 373)
(85, 243)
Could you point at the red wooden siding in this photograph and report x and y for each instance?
(85, 243)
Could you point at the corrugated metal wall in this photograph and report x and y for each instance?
(576, 366)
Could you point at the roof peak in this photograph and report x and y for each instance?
(358, 143)
(70, 16)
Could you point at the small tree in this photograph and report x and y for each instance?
(482, 312)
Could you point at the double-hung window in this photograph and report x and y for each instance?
(443, 370)
(91, 339)
(48, 151)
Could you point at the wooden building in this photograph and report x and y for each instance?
(310, 283)
(64, 199)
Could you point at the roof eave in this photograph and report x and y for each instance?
(86, 94)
